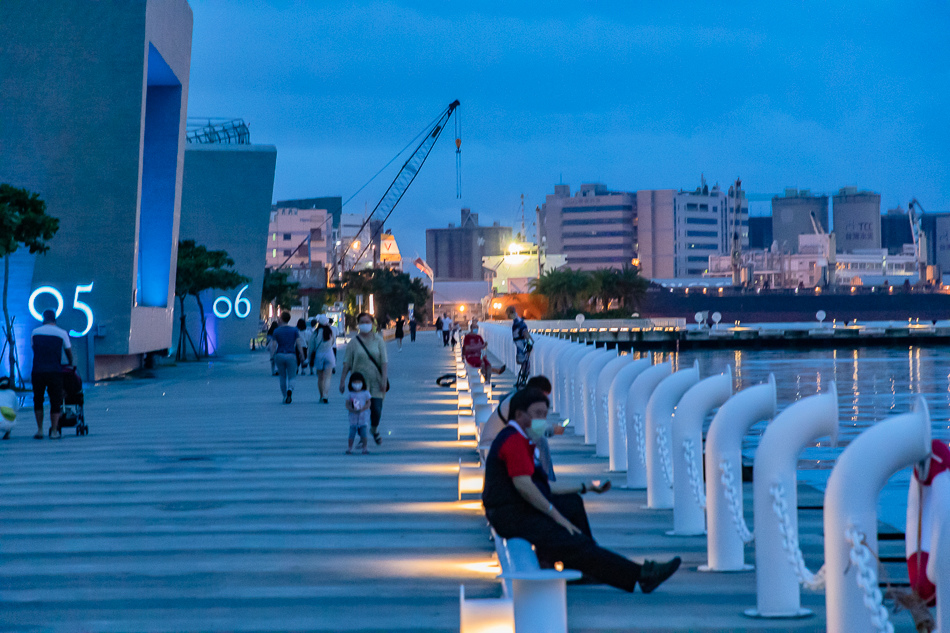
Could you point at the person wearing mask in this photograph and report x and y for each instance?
(520, 502)
(366, 354)
(49, 342)
(475, 352)
(321, 355)
(499, 418)
(287, 355)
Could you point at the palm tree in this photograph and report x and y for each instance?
(631, 287)
(603, 286)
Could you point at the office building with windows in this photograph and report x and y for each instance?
(705, 222)
(594, 228)
(298, 242)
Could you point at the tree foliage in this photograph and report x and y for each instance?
(392, 292)
(279, 289)
(198, 270)
(23, 222)
(571, 291)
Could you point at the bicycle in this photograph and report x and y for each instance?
(524, 358)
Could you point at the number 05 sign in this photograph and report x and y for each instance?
(57, 295)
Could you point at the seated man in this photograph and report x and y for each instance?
(521, 503)
(475, 353)
(500, 416)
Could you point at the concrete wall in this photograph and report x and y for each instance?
(791, 217)
(226, 204)
(93, 97)
(856, 219)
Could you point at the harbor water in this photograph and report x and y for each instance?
(873, 383)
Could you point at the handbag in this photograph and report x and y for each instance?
(371, 359)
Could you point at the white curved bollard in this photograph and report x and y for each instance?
(568, 369)
(774, 483)
(689, 504)
(558, 398)
(724, 546)
(578, 397)
(617, 413)
(589, 389)
(851, 498)
(938, 565)
(602, 411)
(659, 420)
(638, 396)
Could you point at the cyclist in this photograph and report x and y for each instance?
(523, 344)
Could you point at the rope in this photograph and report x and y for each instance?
(695, 481)
(734, 499)
(786, 528)
(867, 580)
(663, 448)
(641, 439)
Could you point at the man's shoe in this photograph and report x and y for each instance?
(653, 574)
(287, 400)
(377, 438)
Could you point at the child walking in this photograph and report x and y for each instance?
(358, 403)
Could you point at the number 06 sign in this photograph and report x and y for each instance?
(57, 295)
(222, 306)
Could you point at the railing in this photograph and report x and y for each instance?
(605, 325)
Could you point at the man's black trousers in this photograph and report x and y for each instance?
(553, 543)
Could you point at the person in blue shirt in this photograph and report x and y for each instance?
(288, 354)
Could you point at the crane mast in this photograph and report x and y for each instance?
(397, 189)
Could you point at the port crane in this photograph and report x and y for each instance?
(917, 234)
(407, 173)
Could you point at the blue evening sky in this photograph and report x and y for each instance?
(636, 95)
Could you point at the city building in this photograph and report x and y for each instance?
(94, 121)
(816, 263)
(332, 204)
(455, 253)
(760, 232)
(594, 228)
(706, 221)
(656, 233)
(298, 238)
(514, 271)
(226, 205)
(856, 218)
(794, 213)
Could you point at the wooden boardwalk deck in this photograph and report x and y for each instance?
(199, 502)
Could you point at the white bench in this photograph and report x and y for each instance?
(539, 595)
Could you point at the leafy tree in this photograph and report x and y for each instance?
(23, 222)
(631, 287)
(602, 287)
(279, 289)
(565, 288)
(198, 270)
(392, 292)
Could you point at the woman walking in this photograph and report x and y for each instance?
(302, 360)
(272, 347)
(321, 348)
(400, 332)
(366, 354)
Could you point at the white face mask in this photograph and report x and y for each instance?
(357, 386)
(538, 427)
(366, 328)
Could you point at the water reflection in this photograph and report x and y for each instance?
(873, 383)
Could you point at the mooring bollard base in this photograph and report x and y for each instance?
(743, 569)
(801, 614)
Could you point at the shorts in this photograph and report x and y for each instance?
(51, 382)
(323, 362)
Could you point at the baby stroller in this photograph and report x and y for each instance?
(73, 413)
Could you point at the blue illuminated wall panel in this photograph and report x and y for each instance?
(159, 176)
